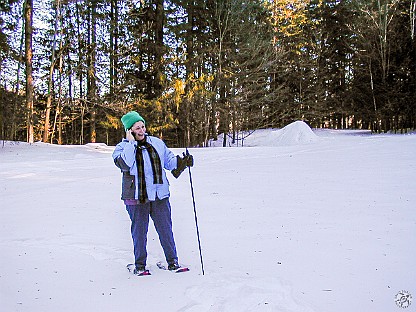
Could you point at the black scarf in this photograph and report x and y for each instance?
(156, 167)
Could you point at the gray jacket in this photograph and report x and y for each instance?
(124, 157)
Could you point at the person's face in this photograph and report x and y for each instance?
(138, 130)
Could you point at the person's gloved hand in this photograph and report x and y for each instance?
(182, 162)
(189, 159)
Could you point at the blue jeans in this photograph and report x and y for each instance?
(160, 212)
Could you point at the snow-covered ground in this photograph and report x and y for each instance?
(295, 220)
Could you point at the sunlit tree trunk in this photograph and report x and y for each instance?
(80, 73)
(92, 77)
(29, 76)
(50, 80)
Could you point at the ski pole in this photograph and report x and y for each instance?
(196, 218)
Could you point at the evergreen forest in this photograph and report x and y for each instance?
(69, 69)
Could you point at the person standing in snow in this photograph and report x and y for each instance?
(145, 188)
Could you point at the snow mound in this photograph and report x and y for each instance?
(296, 133)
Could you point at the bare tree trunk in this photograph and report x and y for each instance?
(222, 15)
(160, 17)
(113, 45)
(54, 123)
(93, 129)
(374, 98)
(81, 136)
(60, 92)
(189, 74)
(60, 125)
(50, 81)
(91, 77)
(386, 14)
(20, 60)
(412, 12)
(47, 112)
(29, 76)
(80, 73)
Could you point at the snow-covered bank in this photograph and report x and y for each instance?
(325, 226)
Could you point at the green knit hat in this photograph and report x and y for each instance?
(130, 119)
